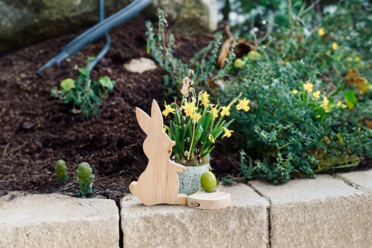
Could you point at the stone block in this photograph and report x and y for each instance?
(362, 180)
(55, 220)
(321, 212)
(243, 224)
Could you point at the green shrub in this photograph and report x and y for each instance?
(292, 134)
(309, 90)
(85, 94)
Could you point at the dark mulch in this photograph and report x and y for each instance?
(37, 130)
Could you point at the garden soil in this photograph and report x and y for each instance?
(37, 130)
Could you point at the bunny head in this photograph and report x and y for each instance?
(157, 143)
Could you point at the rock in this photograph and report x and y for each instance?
(57, 220)
(243, 224)
(100, 197)
(140, 65)
(26, 21)
(321, 212)
(193, 16)
(362, 180)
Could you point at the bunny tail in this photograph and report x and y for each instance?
(133, 188)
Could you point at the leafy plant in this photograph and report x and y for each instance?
(203, 63)
(308, 85)
(85, 94)
(85, 179)
(197, 124)
(61, 171)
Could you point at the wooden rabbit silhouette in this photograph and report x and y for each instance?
(159, 182)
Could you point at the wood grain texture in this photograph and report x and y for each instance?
(204, 200)
(159, 183)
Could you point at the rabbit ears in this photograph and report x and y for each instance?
(155, 121)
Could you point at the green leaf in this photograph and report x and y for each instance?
(67, 84)
(339, 88)
(106, 82)
(351, 99)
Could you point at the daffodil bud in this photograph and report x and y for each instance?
(186, 154)
(191, 73)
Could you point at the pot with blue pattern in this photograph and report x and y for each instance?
(190, 180)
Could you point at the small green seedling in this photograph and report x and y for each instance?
(85, 94)
(61, 171)
(85, 179)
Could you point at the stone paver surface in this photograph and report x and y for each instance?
(362, 180)
(321, 212)
(55, 220)
(243, 224)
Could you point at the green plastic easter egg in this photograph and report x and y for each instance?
(208, 182)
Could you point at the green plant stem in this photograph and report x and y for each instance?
(192, 140)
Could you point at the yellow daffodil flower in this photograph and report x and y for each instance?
(215, 111)
(294, 92)
(227, 133)
(321, 32)
(195, 116)
(316, 94)
(189, 108)
(211, 138)
(357, 59)
(225, 111)
(243, 104)
(309, 87)
(165, 128)
(343, 106)
(339, 104)
(204, 98)
(168, 109)
(325, 105)
(318, 116)
(334, 46)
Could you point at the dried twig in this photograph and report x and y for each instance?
(4, 153)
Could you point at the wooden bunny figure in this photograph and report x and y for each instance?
(159, 182)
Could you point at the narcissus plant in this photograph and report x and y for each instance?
(197, 123)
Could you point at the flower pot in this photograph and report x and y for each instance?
(190, 180)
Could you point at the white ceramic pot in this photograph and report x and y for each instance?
(190, 180)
